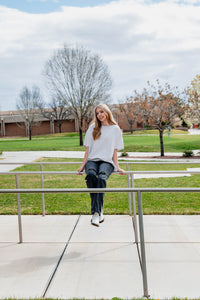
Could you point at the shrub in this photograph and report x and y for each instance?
(148, 127)
(124, 153)
(188, 153)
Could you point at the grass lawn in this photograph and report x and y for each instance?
(153, 203)
(133, 143)
(155, 132)
(175, 143)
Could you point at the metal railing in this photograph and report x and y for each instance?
(130, 181)
(55, 163)
(139, 191)
(130, 174)
(130, 190)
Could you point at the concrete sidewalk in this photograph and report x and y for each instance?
(98, 262)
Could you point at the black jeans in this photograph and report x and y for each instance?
(97, 174)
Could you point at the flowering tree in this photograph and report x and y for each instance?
(162, 107)
(193, 93)
(131, 110)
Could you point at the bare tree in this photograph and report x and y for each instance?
(162, 107)
(89, 116)
(80, 78)
(57, 113)
(27, 106)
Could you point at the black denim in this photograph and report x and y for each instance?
(97, 174)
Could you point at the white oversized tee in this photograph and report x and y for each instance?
(103, 148)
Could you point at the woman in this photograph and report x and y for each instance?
(102, 141)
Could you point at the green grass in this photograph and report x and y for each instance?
(176, 143)
(153, 203)
(50, 143)
(155, 132)
(133, 143)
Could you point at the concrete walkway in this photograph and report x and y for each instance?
(66, 257)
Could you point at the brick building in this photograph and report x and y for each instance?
(12, 124)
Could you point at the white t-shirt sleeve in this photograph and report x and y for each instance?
(119, 144)
(88, 137)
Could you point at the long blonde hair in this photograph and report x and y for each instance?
(97, 128)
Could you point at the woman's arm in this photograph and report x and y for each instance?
(84, 161)
(115, 160)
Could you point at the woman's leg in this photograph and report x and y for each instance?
(91, 169)
(105, 169)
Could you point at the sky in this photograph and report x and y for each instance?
(139, 40)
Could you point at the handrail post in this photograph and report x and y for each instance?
(42, 186)
(19, 210)
(134, 210)
(142, 245)
(129, 194)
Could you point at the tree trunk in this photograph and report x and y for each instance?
(81, 132)
(60, 127)
(131, 127)
(161, 143)
(30, 133)
(81, 136)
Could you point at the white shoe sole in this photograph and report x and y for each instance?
(95, 224)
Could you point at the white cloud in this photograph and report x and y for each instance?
(140, 41)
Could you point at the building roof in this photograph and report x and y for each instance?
(15, 116)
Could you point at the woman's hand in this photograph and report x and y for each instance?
(115, 160)
(80, 170)
(121, 171)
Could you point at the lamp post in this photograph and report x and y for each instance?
(3, 132)
(27, 126)
(52, 124)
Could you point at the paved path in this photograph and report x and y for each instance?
(194, 131)
(95, 263)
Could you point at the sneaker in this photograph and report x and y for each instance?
(101, 217)
(95, 219)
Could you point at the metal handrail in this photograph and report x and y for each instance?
(129, 174)
(98, 190)
(75, 172)
(130, 190)
(121, 162)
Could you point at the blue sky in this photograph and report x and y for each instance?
(139, 40)
(47, 6)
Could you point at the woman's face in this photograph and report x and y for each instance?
(101, 115)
